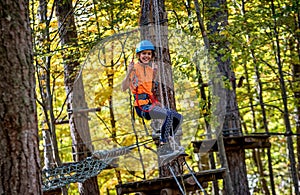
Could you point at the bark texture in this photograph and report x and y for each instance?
(19, 154)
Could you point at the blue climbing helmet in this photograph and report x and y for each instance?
(144, 45)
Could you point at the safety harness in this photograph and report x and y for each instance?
(152, 99)
(144, 96)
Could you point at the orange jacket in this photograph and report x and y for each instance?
(141, 81)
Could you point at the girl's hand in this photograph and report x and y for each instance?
(130, 67)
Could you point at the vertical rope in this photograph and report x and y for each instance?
(177, 182)
(158, 41)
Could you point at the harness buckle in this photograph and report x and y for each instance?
(142, 96)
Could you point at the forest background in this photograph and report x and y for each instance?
(263, 38)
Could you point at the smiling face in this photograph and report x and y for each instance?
(145, 56)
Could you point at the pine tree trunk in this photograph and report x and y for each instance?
(19, 153)
(75, 93)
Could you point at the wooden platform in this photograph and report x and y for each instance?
(154, 186)
(233, 143)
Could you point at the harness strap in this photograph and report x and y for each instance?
(145, 96)
(142, 96)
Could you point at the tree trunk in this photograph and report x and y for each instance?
(203, 95)
(296, 79)
(218, 20)
(19, 154)
(296, 75)
(51, 155)
(154, 17)
(264, 116)
(75, 93)
(237, 171)
(287, 122)
(154, 27)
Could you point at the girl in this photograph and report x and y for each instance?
(139, 79)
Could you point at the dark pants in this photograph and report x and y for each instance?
(172, 119)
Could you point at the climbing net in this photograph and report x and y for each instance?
(72, 173)
(80, 171)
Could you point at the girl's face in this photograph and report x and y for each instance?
(145, 56)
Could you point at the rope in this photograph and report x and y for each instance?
(106, 154)
(164, 101)
(194, 177)
(158, 42)
(177, 182)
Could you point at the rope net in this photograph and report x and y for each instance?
(72, 173)
(80, 171)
